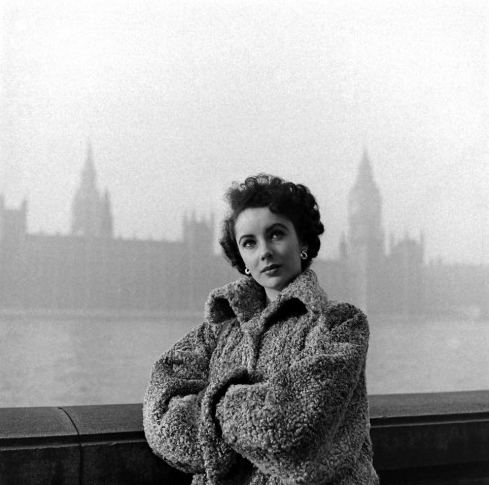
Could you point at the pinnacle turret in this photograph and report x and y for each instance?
(88, 171)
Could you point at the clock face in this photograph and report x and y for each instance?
(367, 209)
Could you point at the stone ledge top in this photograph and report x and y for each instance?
(441, 405)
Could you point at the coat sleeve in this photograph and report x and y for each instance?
(171, 408)
(280, 424)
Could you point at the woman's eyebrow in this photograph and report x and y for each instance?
(244, 236)
(277, 224)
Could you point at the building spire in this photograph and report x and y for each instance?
(365, 174)
(91, 211)
(89, 158)
(366, 237)
(88, 171)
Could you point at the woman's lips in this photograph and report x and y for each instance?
(271, 269)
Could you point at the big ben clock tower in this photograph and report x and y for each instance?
(366, 240)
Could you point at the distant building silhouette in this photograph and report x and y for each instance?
(364, 273)
(90, 270)
(91, 212)
(366, 263)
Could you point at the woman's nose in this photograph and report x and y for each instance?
(266, 252)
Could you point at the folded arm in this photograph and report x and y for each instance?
(280, 424)
(171, 409)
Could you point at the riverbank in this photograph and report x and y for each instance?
(98, 314)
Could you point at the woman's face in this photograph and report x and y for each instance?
(270, 248)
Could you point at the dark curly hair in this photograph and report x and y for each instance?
(293, 201)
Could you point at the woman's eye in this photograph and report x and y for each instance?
(248, 243)
(276, 234)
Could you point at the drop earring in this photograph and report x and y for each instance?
(247, 272)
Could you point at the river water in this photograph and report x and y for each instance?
(59, 362)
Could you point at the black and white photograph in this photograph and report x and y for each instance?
(244, 242)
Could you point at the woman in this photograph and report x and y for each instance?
(270, 389)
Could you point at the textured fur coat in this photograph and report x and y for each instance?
(266, 395)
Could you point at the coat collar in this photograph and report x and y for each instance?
(245, 298)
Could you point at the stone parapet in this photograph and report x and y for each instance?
(418, 439)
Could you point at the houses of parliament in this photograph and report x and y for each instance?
(90, 270)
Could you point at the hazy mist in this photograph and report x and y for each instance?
(179, 98)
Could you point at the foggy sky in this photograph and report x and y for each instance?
(179, 98)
